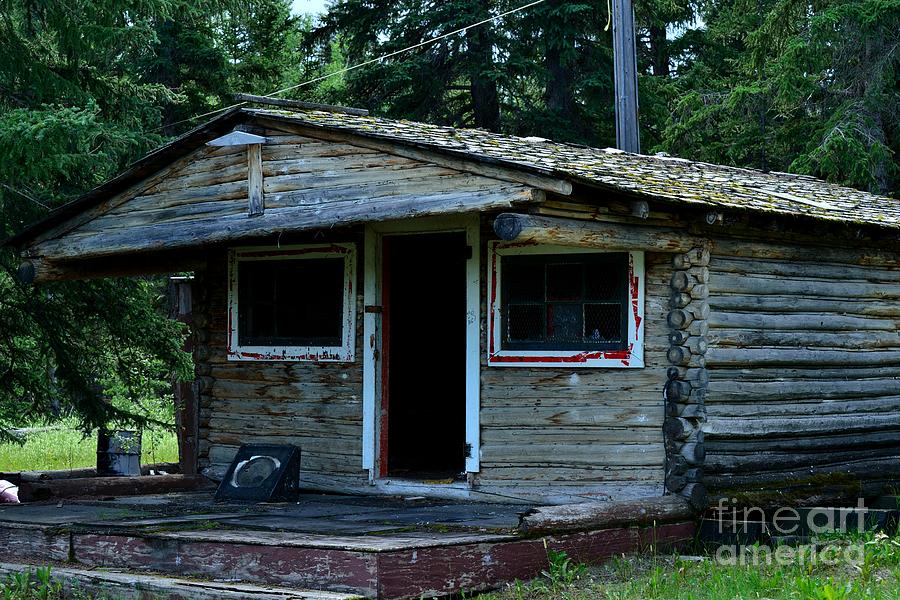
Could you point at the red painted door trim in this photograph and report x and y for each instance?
(385, 357)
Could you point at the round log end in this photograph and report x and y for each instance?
(508, 226)
(675, 482)
(677, 390)
(640, 209)
(680, 281)
(712, 217)
(27, 272)
(677, 428)
(679, 299)
(695, 494)
(679, 355)
(694, 453)
(680, 318)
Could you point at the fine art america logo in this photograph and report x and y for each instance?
(810, 536)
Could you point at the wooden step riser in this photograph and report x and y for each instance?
(389, 575)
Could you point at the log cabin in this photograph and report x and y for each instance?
(457, 313)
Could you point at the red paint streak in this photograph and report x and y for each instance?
(634, 287)
(385, 358)
(524, 244)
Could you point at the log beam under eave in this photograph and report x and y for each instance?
(38, 270)
(194, 234)
(592, 234)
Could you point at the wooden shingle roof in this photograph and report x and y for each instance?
(658, 177)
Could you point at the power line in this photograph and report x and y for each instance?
(24, 195)
(413, 47)
(366, 63)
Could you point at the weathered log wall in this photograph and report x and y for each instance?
(317, 406)
(804, 369)
(593, 432)
(307, 184)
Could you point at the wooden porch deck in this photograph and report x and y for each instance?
(379, 547)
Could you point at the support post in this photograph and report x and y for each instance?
(186, 409)
(255, 179)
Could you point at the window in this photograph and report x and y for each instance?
(575, 306)
(293, 303)
(565, 302)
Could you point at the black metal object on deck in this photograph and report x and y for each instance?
(262, 473)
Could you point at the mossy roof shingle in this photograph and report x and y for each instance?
(652, 176)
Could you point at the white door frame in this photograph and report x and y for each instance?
(372, 332)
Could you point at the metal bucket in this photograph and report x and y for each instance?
(118, 453)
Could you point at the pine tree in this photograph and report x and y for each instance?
(452, 81)
(72, 112)
(563, 63)
(189, 60)
(262, 41)
(785, 85)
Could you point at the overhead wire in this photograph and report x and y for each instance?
(366, 62)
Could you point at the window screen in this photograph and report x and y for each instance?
(290, 302)
(565, 301)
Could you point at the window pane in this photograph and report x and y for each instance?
(606, 280)
(564, 281)
(525, 322)
(602, 322)
(564, 323)
(291, 302)
(260, 319)
(524, 282)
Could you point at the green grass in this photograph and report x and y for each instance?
(66, 448)
(30, 585)
(877, 576)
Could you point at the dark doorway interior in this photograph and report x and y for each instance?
(425, 349)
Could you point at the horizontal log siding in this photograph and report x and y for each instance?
(306, 183)
(597, 430)
(804, 365)
(315, 406)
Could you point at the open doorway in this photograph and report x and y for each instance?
(424, 356)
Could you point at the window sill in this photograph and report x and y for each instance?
(588, 358)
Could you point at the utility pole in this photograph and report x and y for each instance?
(625, 75)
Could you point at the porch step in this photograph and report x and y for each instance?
(362, 546)
(120, 584)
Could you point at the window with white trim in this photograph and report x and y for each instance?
(564, 306)
(292, 303)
